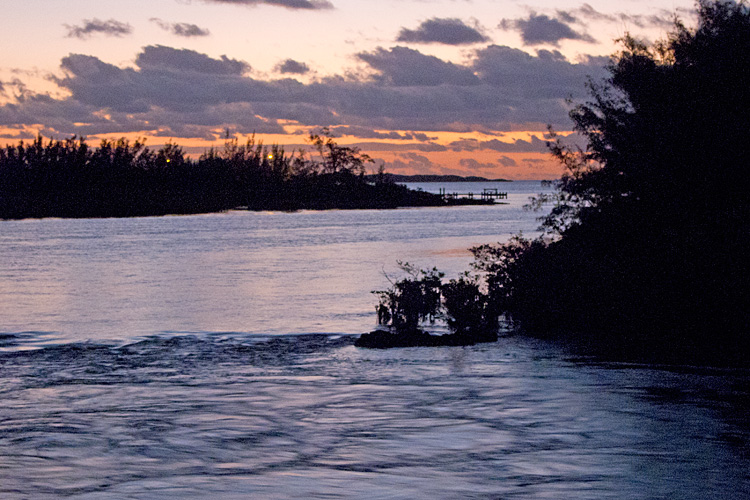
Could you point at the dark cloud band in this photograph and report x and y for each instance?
(183, 93)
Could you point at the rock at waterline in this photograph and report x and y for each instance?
(381, 339)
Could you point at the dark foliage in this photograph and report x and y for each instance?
(410, 300)
(468, 310)
(645, 251)
(422, 296)
(121, 178)
(646, 248)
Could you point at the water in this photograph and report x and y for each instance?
(187, 357)
(249, 272)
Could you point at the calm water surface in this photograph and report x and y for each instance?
(248, 272)
(188, 357)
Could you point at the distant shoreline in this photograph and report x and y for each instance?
(69, 179)
(440, 178)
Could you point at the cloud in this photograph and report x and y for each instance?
(540, 29)
(507, 161)
(96, 26)
(587, 12)
(171, 91)
(55, 115)
(403, 67)
(530, 80)
(446, 31)
(413, 162)
(566, 17)
(535, 162)
(162, 57)
(290, 66)
(289, 4)
(19, 135)
(421, 137)
(173, 79)
(473, 164)
(429, 147)
(464, 145)
(181, 29)
(534, 145)
(368, 133)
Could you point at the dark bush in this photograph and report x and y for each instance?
(646, 247)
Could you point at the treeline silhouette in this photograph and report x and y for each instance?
(120, 178)
(645, 252)
(647, 246)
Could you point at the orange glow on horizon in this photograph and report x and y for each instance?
(445, 153)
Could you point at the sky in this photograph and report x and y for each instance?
(464, 87)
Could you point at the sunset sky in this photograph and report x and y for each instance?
(427, 86)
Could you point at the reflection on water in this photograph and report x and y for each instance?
(152, 358)
(275, 273)
(314, 417)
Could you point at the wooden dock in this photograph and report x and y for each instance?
(488, 194)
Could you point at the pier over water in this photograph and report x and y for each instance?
(487, 194)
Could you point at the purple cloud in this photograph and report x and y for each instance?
(162, 57)
(290, 66)
(186, 30)
(404, 67)
(178, 91)
(587, 12)
(541, 29)
(507, 161)
(289, 4)
(96, 26)
(445, 31)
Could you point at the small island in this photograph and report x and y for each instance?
(422, 296)
(69, 178)
(384, 339)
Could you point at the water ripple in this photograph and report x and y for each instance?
(312, 416)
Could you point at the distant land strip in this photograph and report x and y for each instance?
(439, 178)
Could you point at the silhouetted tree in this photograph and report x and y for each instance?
(647, 243)
(123, 178)
(469, 311)
(410, 300)
(337, 158)
(420, 296)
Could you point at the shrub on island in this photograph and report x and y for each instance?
(423, 297)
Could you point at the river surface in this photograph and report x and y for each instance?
(212, 356)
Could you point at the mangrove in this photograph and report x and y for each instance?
(645, 251)
(122, 178)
